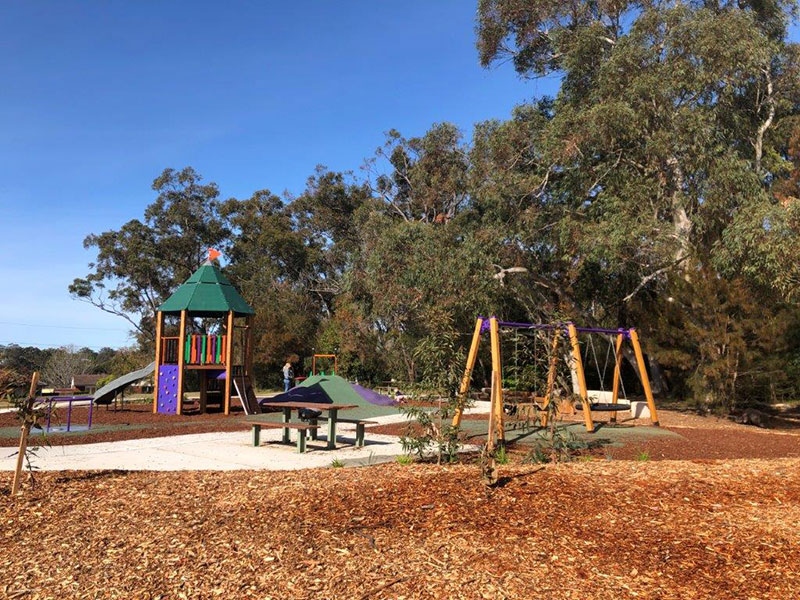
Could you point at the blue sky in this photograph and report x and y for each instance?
(99, 97)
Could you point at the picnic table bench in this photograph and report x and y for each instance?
(301, 428)
(359, 423)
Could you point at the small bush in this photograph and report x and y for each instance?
(501, 456)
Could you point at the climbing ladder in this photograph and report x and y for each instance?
(247, 396)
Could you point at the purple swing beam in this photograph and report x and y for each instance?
(549, 327)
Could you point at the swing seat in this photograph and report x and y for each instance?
(607, 407)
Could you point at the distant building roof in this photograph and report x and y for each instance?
(207, 293)
(87, 379)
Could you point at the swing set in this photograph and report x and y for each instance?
(590, 400)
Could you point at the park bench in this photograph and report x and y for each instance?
(301, 429)
(359, 423)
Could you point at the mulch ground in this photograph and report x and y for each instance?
(700, 438)
(600, 530)
(743, 442)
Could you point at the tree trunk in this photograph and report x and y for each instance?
(682, 224)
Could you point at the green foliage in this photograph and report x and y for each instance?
(337, 464)
(557, 444)
(501, 456)
(643, 456)
(430, 434)
(140, 265)
(560, 446)
(23, 360)
(404, 459)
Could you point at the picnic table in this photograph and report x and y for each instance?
(331, 409)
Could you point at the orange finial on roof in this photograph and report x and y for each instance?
(212, 254)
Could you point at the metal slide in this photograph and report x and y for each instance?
(106, 393)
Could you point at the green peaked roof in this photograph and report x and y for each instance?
(207, 293)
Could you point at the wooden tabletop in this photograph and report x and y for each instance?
(311, 405)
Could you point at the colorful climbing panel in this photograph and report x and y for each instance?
(167, 389)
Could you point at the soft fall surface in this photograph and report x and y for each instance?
(581, 530)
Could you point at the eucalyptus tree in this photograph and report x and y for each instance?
(139, 265)
(647, 182)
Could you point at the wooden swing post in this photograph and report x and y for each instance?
(497, 379)
(648, 393)
(463, 391)
(617, 359)
(551, 376)
(584, 394)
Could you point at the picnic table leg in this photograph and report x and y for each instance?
(359, 435)
(314, 422)
(332, 429)
(256, 435)
(287, 417)
(301, 440)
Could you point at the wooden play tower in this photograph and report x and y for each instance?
(211, 328)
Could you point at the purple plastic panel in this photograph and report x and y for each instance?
(167, 389)
(372, 396)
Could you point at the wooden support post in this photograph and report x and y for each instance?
(256, 435)
(228, 363)
(490, 434)
(24, 432)
(203, 391)
(497, 369)
(551, 375)
(360, 434)
(648, 393)
(287, 418)
(248, 346)
(617, 374)
(181, 361)
(463, 391)
(159, 334)
(333, 414)
(578, 364)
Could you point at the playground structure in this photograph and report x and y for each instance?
(569, 331)
(213, 339)
(115, 389)
(317, 356)
(68, 400)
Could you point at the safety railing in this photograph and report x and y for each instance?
(205, 350)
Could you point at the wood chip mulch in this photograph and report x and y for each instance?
(599, 530)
